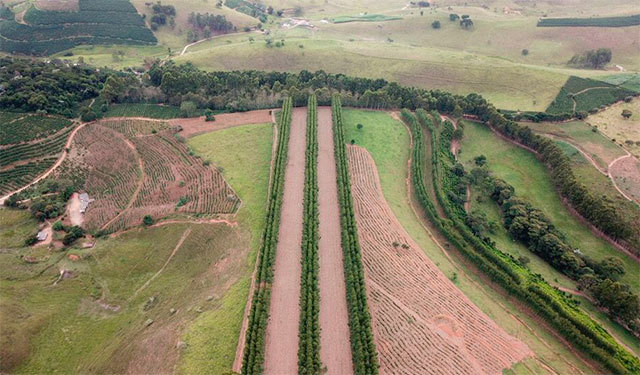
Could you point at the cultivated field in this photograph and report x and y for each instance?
(198, 125)
(422, 322)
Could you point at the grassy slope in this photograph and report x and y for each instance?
(611, 123)
(15, 226)
(388, 142)
(532, 181)
(244, 153)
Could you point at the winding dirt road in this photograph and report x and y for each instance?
(281, 347)
(335, 348)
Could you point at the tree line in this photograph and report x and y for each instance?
(309, 335)
(363, 349)
(253, 356)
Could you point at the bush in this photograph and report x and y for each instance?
(435, 24)
(58, 226)
(147, 220)
(72, 235)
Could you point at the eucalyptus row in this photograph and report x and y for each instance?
(253, 357)
(556, 309)
(309, 335)
(365, 357)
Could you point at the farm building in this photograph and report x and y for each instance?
(42, 235)
(84, 202)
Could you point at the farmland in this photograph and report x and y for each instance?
(586, 95)
(22, 127)
(621, 21)
(45, 32)
(612, 125)
(364, 18)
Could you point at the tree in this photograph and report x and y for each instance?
(87, 114)
(466, 22)
(188, 109)
(359, 126)
(480, 160)
(435, 24)
(208, 115)
(626, 113)
(594, 59)
(525, 52)
(147, 220)
(453, 17)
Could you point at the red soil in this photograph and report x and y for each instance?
(197, 125)
(625, 174)
(422, 323)
(281, 347)
(335, 348)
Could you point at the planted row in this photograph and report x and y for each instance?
(309, 343)
(556, 310)
(365, 357)
(253, 357)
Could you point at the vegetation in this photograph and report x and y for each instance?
(309, 343)
(531, 226)
(204, 25)
(556, 309)
(96, 22)
(620, 21)
(256, 10)
(365, 18)
(582, 95)
(594, 59)
(362, 346)
(24, 127)
(253, 357)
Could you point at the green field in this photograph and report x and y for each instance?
(622, 21)
(23, 127)
(532, 182)
(388, 142)
(364, 18)
(583, 95)
(244, 154)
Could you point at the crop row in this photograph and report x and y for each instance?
(107, 5)
(569, 321)
(365, 357)
(620, 21)
(309, 343)
(27, 127)
(253, 356)
(47, 147)
(21, 175)
(37, 17)
(18, 32)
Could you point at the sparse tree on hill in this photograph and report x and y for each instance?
(435, 24)
(626, 113)
(453, 17)
(525, 52)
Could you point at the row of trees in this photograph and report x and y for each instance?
(253, 356)
(309, 343)
(533, 228)
(365, 357)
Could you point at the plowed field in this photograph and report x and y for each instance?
(422, 322)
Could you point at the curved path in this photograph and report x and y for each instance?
(335, 347)
(281, 344)
(51, 169)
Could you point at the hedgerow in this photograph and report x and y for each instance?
(365, 357)
(309, 343)
(253, 357)
(554, 307)
(620, 21)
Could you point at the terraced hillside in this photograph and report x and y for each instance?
(43, 32)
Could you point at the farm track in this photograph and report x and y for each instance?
(335, 347)
(52, 168)
(422, 322)
(281, 345)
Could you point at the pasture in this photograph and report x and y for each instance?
(611, 124)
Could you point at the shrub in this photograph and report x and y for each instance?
(147, 220)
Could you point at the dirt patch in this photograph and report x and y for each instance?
(422, 323)
(73, 210)
(625, 173)
(281, 345)
(335, 348)
(197, 125)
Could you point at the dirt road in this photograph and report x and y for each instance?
(281, 347)
(335, 348)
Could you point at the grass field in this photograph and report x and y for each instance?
(388, 142)
(531, 181)
(625, 131)
(244, 154)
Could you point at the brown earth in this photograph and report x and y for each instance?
(422, 323)
(73, 210)
(281, 345)
(335, 348)
(625, 173)
(197, 125)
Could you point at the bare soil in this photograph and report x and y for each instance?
(281, 347)
(335, 348)
(73, 210)
(625, 174)
(422, 323)
(197, 125)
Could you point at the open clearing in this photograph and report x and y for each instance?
(422, 322)
(625, 131)
(335, 348)
(198, 125)
(281, 346)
